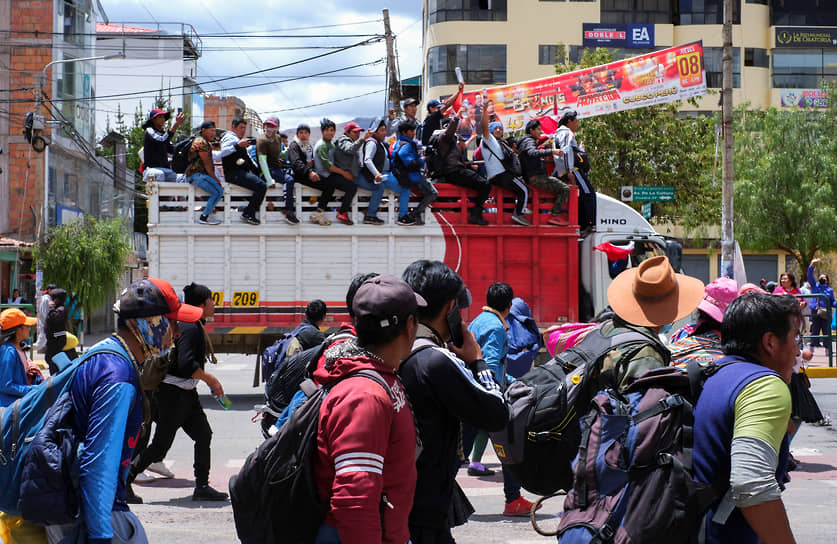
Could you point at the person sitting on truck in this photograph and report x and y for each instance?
(408, 168)
(572, 167)
(239, 168)
(375, 166)
(410, 109)
(457, 171)
(500, 163)
(301, 157)
(200, 171)
(338, 178)
(534, 170)
(346, 156)
(157, 145)
(270, 151)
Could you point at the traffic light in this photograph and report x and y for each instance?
(33, 131)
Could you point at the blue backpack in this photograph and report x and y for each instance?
(525, 340)
(274, 356)
(24, 419)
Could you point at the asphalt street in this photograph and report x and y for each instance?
(169, 514)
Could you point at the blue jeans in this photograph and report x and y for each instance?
(285, 177)
(206, 183)
(389, 182)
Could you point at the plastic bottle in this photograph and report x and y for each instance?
(224, 401)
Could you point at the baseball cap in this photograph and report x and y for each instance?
(433, 104)
(155, 113)
(13, 317)
(409, 101)
(152, 296)
(387, 298)
(271, 121)
(206, 124)
(351, 126)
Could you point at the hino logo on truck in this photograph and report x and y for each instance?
(612, 221)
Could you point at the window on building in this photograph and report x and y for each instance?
(547, 54)
(803, 68)
(706, 12)
(756, 57)
(713, 61)
(636, 11)
(466, 10)
(804, 13)
(764, 2)
(480, 64)
(67, 85)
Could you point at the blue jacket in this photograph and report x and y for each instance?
(408, 154)
(13, 382)
(108, 417)
(490, 331)
(525, 339)
(817, 289)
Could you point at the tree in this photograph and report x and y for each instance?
(85, 257)
(654, 145)
(786, 169)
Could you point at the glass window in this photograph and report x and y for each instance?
(466, 10)
(636, 11)
(757, 57)
(480, 64)
(706, 12)
(804, 13)
(713, 61)
(803, 68)
(764, 2)
(547, 54)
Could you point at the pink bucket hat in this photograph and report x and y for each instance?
(717, 296)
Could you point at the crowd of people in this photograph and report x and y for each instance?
(399, 154)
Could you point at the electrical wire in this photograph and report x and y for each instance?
(295, 108)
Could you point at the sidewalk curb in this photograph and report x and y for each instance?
(821, 372)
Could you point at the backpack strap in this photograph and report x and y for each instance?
(580, 485)
(3, 460)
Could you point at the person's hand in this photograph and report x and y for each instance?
(557, 152)
(474, 167)
(391, 114)
(815, 261)
(313, 176)
(470, 350)
(348, 175)
(367, 134)
(34, 371)
(379, 178)
(178, 119)
(571, 177)
(803, 304)
(214, 385)
(461, 85)
(244, 142)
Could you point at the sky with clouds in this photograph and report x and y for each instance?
(292, 101)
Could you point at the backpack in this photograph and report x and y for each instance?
(509, 160)
(432, 158)
(180, 156)
(274, 496)
(274, 356)
(24, 419)
(542, 436)
(525, 340)
(633, 478)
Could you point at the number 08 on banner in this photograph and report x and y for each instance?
(690, 69)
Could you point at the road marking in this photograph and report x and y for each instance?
(232, 367)
(234, 463)
(806, 452)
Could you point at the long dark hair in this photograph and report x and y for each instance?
(196, 294)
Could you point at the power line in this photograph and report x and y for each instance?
(325, 103)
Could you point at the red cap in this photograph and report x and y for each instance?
(152, 296)
(351, 126)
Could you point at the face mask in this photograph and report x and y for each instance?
(454, 320)
(822, 282)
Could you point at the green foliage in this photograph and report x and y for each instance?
(86, 257)
(786, 180)
(654, 145)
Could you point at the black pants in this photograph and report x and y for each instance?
(252, 182)
(821, 326)
(178, 408)
(465, 177)
(326, 186)
(516, 185)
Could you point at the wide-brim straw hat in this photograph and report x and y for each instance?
(653, 295)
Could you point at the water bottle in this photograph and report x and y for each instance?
(224, 401)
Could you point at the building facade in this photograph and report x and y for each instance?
(781, 49)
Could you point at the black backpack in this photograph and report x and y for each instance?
(180, 156)
(274, 496)
(542, 436)
(432, 158)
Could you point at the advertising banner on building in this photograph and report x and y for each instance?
(617, 35)
(804, 98)
(798, 36)
(663, 76)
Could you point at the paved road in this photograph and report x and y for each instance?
(169, 514)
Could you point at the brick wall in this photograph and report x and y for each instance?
(222, 109)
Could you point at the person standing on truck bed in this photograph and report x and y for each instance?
(338, 178)
(269, 150)
(157, 145)
(534, 170)
(435, 113)
(459, 172)
(239, 168)
(573, 167)
(301, 157)
(201, 172)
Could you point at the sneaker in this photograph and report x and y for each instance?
(161, 469)
(290, 217)
(478, 469)
(519, 508)
(319, 218)
(406, 221)
(520, 220)
(557, 221)
(343, 217)
(372, 220)
(130, 496)
(250, 219)
(476, 219)
(208, 220)
(144, 478)
(206, 493)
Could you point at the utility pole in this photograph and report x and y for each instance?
(728, 188)
(393, 79)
